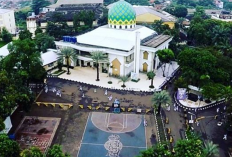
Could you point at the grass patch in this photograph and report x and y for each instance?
(161, 128)
(2, 43)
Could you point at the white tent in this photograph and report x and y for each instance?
(8, 125)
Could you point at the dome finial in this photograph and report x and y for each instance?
(121, 15)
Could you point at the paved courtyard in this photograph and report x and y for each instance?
(72, 124)
(88, 75)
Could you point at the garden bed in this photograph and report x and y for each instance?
(58, 72)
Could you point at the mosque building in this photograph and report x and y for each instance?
(130, 48)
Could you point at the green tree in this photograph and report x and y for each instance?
(60, 65)
(188, 148)
(200, 11)
(58, 30)
(5, 35)
(202, 62)
(160, 98)
(58, 17)
(214, 91)
(124, 79)
(197, 33)
(159, 27)
(69, 55)
(211, 149)
(8, 147)
(76, 22)
(98, 56)
(87, 17)
(103, 20)
(38, 30)
(165, 56)
(180, 11)
(20, 18)
(158, 150)
(180, 83)
(151, 76)
(147, 153)
(8, 94)
(2, 125)
(228, 5)
(39, 4)
(25, 34)
(44, 42)
(221, 35)
(56, 151)
(206, 3)
(31, 152)
(24, 56)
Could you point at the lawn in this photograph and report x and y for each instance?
(2, 43)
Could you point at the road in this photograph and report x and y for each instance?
(208, 128)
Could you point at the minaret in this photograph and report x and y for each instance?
(137, 54)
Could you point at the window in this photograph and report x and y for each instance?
(120, 27)
(127, 59)
(131, 26)
(114, 26)
(145, 55)
(50, 65)
(126, 27)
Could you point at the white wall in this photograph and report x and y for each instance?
(7, 19)
(31, 26)
(148, 61)
(129, 68)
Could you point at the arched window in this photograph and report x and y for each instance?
(114, 26)
(120, 27)
(125, 27)
(145, 55)
(131, 26)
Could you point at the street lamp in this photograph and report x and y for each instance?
(191, 113)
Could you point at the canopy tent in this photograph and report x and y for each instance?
(8, 125)
(195, 90)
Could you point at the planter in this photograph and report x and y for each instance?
(57, 73)
(135, 80)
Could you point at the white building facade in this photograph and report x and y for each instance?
(7, 20)
(130, 48)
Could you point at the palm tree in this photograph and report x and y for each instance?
(68, 54)
(124, 79)
(151, 76)
(96, 57)
(221, 34)
(211, 149)
(160, 98)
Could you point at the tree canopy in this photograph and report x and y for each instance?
(8, 147)
(5, 35)
(25, 34)
(39, 4)
(178, 10)
(56, 151)
(44, 42)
